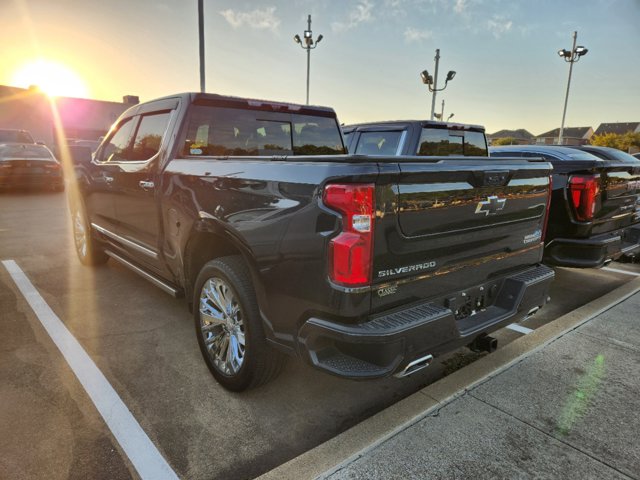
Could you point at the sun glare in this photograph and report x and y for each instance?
(52, 78)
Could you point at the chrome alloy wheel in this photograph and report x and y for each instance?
(222, 326)
(80, 233)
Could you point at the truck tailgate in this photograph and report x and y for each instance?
(463, 221)
(620, 197)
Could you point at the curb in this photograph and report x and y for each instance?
(343, 449)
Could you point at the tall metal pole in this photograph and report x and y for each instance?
(435, 84)
(201, 39)
(442, 111)
(308, 58)
(566, 97)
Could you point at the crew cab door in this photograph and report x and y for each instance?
(99, 196)
(135, 186)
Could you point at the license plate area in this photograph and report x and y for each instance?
(471, 301)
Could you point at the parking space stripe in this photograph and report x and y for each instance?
(616, 270)
(519, 328)
(141, 451)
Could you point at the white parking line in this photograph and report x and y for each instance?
(620, 271)
(143, 454)
(519, 328)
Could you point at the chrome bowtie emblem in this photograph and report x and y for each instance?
(491, 205)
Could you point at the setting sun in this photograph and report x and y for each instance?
(52, 78)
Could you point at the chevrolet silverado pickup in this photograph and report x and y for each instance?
(364, 266)
(595, 208)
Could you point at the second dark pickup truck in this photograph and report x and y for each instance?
(595, 208)
(365, 266)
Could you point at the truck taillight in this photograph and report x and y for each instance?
(351, 252)
(583, 193)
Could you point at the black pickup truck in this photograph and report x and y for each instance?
(595, 209)
(415, 137)
(282, 244)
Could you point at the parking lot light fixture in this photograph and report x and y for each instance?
(308, 44)
(432, 82)
(571, 57)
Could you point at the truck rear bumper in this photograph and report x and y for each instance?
(595, 251)
(388, 343)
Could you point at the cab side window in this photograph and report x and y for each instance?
(117, 148)
(149, 136)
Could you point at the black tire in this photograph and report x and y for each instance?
(255, 362)
(87, 248)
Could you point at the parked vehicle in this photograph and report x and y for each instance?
(74, 142)
(636, 155)
(595, 209)
(29, 165)
(364, 266)
(608, 153)
(10, 135)
(415, 137)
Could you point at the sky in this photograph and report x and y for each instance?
(367, 66)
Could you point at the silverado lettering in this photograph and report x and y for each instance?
(408, 269)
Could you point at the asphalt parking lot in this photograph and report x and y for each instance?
(143, 342)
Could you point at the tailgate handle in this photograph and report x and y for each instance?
(496, 178)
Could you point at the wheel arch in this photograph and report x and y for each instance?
(209, 241)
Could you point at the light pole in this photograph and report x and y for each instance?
(201, 41)
(428, 80)
(571, 57)
(308, 45)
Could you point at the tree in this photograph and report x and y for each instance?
(504, 141)
(624, 142)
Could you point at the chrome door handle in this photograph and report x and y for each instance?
(145, 185)
(108, 180)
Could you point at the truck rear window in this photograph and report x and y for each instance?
(215, 131)
(379, 143)
(444, 142)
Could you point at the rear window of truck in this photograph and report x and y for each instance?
(216, 131)
(444, 142)
(379, 143)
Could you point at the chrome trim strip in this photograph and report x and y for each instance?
(128, 243)
(433, 273)
(147, 276)
(364, 289)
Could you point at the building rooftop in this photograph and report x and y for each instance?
(618, 128)
(569, 132)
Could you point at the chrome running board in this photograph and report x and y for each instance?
(147, 276)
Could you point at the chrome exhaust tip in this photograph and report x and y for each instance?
(532, 312)
(414, 366)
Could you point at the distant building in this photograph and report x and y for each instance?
(570, 136)
(618, 128)
(520, 136)
(30, 109)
